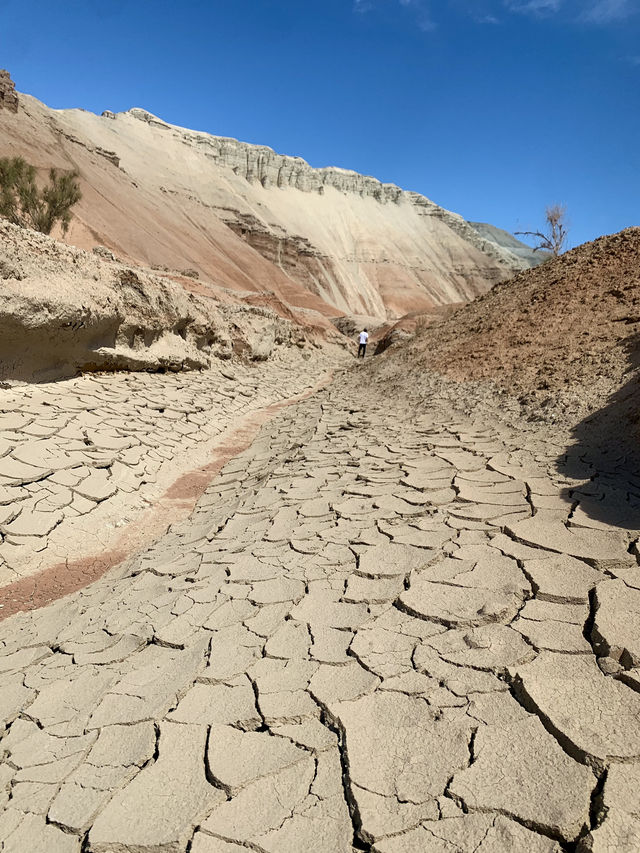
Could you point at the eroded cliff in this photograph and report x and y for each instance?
(65, 310)
(249, 219)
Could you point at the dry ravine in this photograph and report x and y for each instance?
(383, 628)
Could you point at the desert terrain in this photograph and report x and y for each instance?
(258, 595)
(245, 218)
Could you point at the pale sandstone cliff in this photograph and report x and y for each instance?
(249, 219)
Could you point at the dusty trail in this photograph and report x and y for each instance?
(380, 629)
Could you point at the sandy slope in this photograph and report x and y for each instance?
(571, 323)
(248, 219)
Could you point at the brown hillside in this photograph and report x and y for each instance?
(570, 322)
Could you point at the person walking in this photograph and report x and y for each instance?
(362, 345)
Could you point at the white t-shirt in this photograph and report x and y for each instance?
(364, 337)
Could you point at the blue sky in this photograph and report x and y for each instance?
(492, 108)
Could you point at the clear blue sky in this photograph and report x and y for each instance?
(492, 108)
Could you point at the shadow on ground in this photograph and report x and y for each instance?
(606, 451)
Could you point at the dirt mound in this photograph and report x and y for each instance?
(410, 325)
(571, 322)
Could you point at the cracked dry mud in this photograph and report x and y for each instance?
(80, 460)
(380, 629)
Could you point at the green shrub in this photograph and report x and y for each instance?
(24, 204)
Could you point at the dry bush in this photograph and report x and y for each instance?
(23, 203)
(555, 234)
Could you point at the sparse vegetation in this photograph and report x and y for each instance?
(23, 203)
(554, 237)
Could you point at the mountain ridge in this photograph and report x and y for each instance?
(306, 178)
(247, 219)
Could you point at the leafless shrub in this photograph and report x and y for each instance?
(554, 237)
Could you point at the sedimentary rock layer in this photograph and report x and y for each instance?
(247, 218)
(8, 95)
(66, 310)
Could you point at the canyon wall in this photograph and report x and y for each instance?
(249, 220)
(65, 310)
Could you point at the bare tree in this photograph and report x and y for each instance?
(555, 235)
